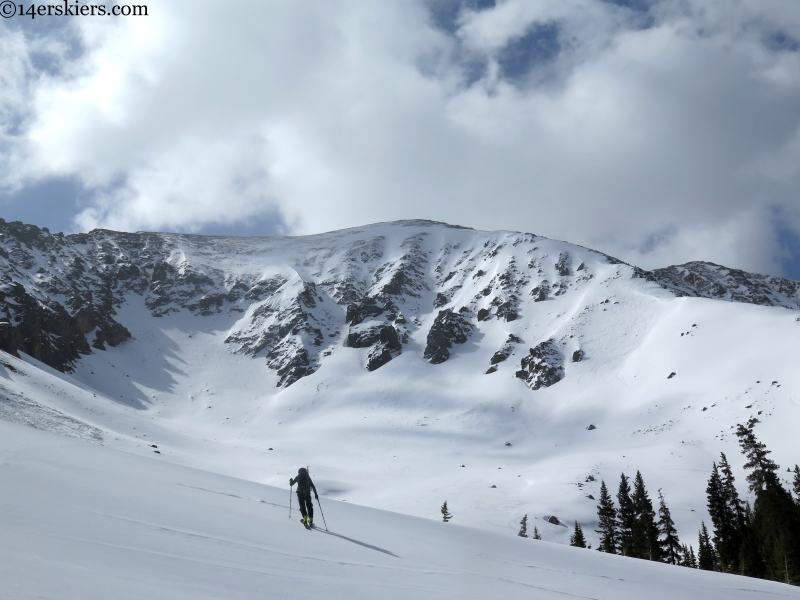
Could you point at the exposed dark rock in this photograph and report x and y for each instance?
(368, 307)
(507, 310)
(440, 300)
(483, 313)
(107, 330)
(47, 333)
(387, 348)
(499, 356)
(540, 292)
(543, 367)
(563, 264)
(506, 351)
(264, 288)
(671, 375)
(591, 428)
(290, 361)
(449, 328)
(708, 280)
(369, 335)
(492, 369)
(578, 356)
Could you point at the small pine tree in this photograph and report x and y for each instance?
(670, 544)
(626, 516)
(577, 538)
(523, 530)
(689, 559)
(705, 551)
(446, 516)
(536, 535)
(607, 517)
(797, 483)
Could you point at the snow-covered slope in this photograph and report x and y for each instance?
(82, 521)
(406, 363)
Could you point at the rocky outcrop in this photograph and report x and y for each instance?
(707, 280)
(448, 329)
(46, 332)
(285, 328)
(543, 366)
(506, 351)
(377, 325)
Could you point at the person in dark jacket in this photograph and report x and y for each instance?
(304, 487)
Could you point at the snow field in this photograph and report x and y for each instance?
(80, 520)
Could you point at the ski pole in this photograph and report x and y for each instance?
(322, 513)
(290, 502)
(318, 504)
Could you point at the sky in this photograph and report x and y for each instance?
(658, 131)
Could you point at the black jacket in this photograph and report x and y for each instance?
(304, 483)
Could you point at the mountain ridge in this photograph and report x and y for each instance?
(60, 293)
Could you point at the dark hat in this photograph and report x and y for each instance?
(301, 471)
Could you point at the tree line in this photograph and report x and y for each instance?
(759, 540)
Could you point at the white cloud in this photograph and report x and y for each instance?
(661, 144)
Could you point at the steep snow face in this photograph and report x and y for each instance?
(388, 356)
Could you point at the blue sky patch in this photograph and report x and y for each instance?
(538, 46)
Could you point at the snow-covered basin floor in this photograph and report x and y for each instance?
(396, 438)
(81, 520)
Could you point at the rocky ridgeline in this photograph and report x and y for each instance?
(292, 302)
(707, 280)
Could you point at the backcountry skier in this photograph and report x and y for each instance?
(304, 487)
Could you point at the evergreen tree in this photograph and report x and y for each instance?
(446, 516)
(724, 507)
(751, 563)
(626, 516)
(607, 517)
(644, 539)
(774, 531)
(536, 535)
(729, 486)
(705, 551)
(669, 543)
(577, 538)
(688, 559)
(797, 483)
(762, 469)
(523, 530)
